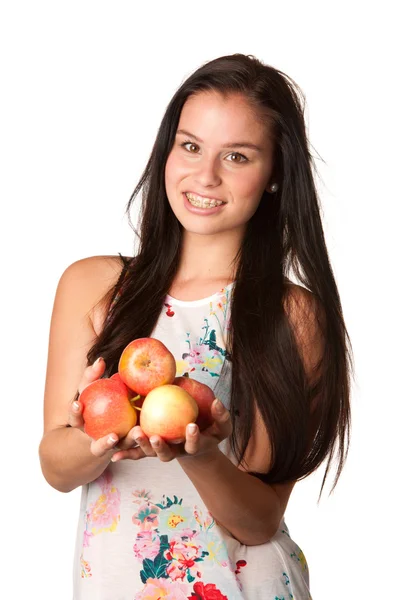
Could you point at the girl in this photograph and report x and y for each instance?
(229, 210)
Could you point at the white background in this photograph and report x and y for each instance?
(84, 86)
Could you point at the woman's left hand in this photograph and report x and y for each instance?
(196, 443)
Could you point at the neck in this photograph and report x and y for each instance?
(208, 257)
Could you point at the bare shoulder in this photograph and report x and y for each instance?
(76, 314)
(89, 280)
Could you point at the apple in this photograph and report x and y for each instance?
(204, 397)
(106, 408)
(146, 363)
(135, 399)
(166, 411)
(117, 377)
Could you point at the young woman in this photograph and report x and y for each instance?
(229, 213)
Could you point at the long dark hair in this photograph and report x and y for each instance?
(284, 235)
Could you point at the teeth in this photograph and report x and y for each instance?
(202, 202)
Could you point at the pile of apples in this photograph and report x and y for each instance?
(146, 382)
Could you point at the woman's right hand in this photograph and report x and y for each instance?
(104, 444)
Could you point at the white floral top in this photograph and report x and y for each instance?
(144, 532)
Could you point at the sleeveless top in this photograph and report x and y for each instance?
(144, 532)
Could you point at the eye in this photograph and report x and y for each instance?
(245, 159)
(186, 143)
(238, 154)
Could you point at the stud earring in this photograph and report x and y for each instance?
(274, 187)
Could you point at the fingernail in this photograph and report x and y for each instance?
(154, 442)
(112, 440)
(75, 406)
(96, 362)
(192, 428)
(219, 406)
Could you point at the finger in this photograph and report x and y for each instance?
(143, 441)
(192, 439)
(222, 419)
(103, 445)
(75, 418)
(163, 451)
(129, 441)
(132, 453)
(91, 373)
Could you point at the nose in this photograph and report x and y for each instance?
(208, 174)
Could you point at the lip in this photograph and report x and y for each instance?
(204, 196)
(201, 211)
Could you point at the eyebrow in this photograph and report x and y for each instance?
(227, 145)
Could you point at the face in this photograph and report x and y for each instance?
(225, 179)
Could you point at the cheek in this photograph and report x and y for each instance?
(250, 190)
(174, 169)
(252, 185)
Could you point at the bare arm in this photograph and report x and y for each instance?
(67, 461)
(65, 452)
(249, 509)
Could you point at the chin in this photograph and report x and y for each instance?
(193, 224)
(202, 230)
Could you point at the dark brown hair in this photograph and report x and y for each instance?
(285, 234)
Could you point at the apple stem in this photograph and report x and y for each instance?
(133, 400)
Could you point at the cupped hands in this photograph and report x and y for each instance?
(136, 444)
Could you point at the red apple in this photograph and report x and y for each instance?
(166, 411)
(146, 364)
(117, 377)
(106, 408)
(135, 399)
(204, 397)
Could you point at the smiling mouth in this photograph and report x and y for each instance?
(201, 202)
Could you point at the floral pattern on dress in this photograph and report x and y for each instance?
(172, 543)
(299, 556)
(286, 582)
(86, 570)
(157, 589)
(206, 352)
(206, 592)
(102, 516)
